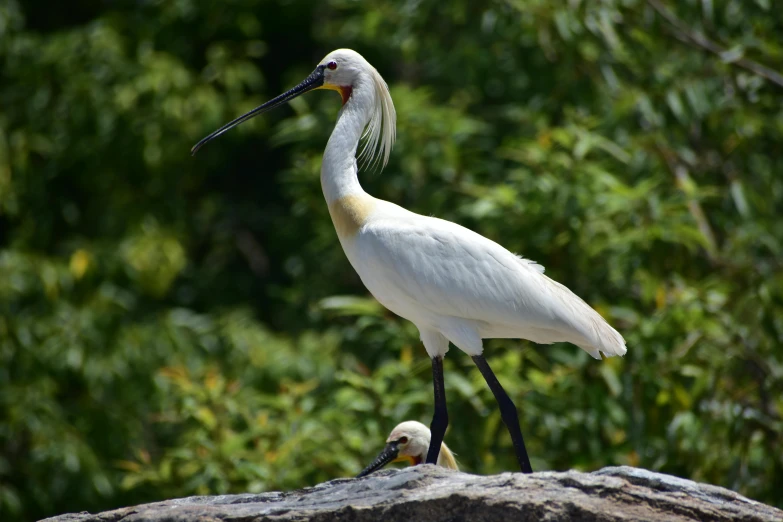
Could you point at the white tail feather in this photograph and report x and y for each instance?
(597, 336)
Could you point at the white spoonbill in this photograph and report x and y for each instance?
(409, 440)
(452, 283)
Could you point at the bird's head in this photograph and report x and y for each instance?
(343, 71)
(409, 441)
(413, 441)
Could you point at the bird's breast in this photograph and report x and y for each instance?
(349, 213)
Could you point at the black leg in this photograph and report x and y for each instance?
(508, 412)
(440, 419)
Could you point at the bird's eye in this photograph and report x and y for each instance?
(403, 440)
(332, 65)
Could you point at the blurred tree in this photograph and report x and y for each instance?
(172, 326)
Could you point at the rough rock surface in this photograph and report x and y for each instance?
(427, 493)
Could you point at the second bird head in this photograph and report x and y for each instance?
(409, 441)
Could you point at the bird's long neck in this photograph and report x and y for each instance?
(339, 172)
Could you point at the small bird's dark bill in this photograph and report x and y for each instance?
(315, 80)
(388, 454)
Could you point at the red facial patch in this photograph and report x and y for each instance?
(345, 92)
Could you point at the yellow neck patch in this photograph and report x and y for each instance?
(349, 213)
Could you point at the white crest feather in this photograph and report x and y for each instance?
(381, 130)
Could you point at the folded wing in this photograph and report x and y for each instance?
(452, 271)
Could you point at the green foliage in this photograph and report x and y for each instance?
(173, 325)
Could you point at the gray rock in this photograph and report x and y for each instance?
(429, 493)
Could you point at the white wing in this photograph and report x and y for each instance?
(451, 271)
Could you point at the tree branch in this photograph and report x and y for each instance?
(683, 179)
(685, 34)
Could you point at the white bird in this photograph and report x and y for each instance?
(409, 440)
(452, 283)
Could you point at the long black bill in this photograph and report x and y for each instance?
(388, 454)
(315, 80)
